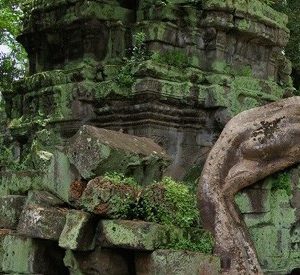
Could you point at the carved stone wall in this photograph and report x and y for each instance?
(271, 212)
(202, 63)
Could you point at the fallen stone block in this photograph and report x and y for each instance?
(100, 194)
(22, 255)
(42, 222)
(43, 198)
(138, 235)
(79, 231)
(10, 210)
(60, 176)
(176, 262)
(100, 261)
(94, 151)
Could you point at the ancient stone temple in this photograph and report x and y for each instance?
(142, 88)
(190, 66)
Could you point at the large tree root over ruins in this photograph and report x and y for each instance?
(253, 145)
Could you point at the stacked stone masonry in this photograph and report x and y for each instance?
(68, 227)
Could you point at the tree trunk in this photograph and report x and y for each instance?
(253, 145)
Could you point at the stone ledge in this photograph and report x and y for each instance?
(254, 8)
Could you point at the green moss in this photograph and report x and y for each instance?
(16, 182)
(174, 58)
(244, 25)
(273, 231)
(133, 234)
(283, 216)
(18, 253)
(282, 181)
(119, 178)
(255, 8)
(111, 88)
(175, 90)
(244, 93)
(220, 66)
(195, 239)
(58, 175)
(73, 235)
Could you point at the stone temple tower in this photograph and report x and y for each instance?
(174, 71)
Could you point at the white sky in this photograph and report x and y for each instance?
(4, 49)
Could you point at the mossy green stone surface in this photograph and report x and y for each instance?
(273, 229)
(131, 234)
(94, 151)
(59, 176)
(17, 254)
(78, 232)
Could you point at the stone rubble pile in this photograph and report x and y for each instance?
(45, 231)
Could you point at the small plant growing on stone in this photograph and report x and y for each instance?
(169, 203)
(125, 77)
(119, 178)
(282, 181)
(193, 240)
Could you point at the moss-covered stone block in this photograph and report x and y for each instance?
(17, 254)
(258, 219)
(79, 231)
(137, 235)
(283, 215)
(253, 201)
(23, 255)
(94, 151)
(60, 175)
(272, 246)
(41, 222)
(256, 9)
(10, 210)
(165, 262)
(100, 195)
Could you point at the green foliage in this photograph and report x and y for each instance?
(13, 59)
(119, 178)
(169, 203)
(123, 208)
(125, 77)
(173, 58)
(179, 207)
(194, 240)
(282, 181)
(292, 50)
